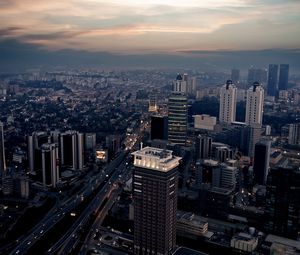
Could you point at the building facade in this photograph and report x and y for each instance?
(155, 182)
(228, 95)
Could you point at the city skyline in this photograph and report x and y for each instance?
(134, 27)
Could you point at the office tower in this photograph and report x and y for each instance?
(203, 147)
(2, 151)
(177, 119)
(72, 150)
(253, 135)
(153, 102)
(254, 105)
(207, 173)
(155, 182)
(80, 151)
(283, 202)
(159, 127)
(225, 176)
(283, 77)
(221, 152)
(180, 84)
(272, 80)
(227, 103)
(229, 173)
(34, 143)
(90, 141)
(235, 75)
(50, 164)
(261, 162)
(191, 86)
(294, 134)
(257, 75)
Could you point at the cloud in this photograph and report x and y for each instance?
(127, 25)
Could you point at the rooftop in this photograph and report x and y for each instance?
(187, 251)
(155, 159)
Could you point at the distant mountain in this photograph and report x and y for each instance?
(17, 56)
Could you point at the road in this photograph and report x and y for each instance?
(65, 207)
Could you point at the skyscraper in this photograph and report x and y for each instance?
(254, 105)
(272, 80)
(227, 103)
(261, 162)
(235, 75)
(72, 150)
(159, 127)
(257, 75)
(50, 164)
(155, 182)
(294, 134)
(283, 77)
(203, 147)
(153, 102)
(177, 119)
(180, 84)
(2, 151)
(283, 202)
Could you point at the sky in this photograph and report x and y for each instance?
(152, 26)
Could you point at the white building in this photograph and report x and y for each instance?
(244, 242)
(180, 84)
(205, 122)
(254, 105)
(228, 94)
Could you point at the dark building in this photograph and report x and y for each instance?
(177, 119)
(50, 165)
(283, 202)
(2, 151)
(155, 183)
(159, 127)
(261, 162)
(235, 76)
(203, 147)
(283, 77)
(272, 80)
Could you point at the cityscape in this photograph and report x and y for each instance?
(137, 132)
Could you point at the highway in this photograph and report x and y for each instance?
(65, 207)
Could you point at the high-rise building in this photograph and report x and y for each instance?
(203, 147)
(177, 119)
(283, 202)
(225, 176)
(294, 134)
(235, 75)
(261, 162)
(2, 151)
(159, 127)
(227, 102)
(50, 164)
(34, 144)
(272, 80)
(90, 141)
(254, 105)
(72, 150)
(155, 182)
(180, 84)
(257, 75)
(153, 102)
(283, 77)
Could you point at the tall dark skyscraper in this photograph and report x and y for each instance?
(177, 118)
(50, 164)
(261, 162)
(159, 127)
(272, 80)
(155, 182)
(2, 151)
(283, 202)
(203, 147)
(283, 77)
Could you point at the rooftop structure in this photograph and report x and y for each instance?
(155, 159)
